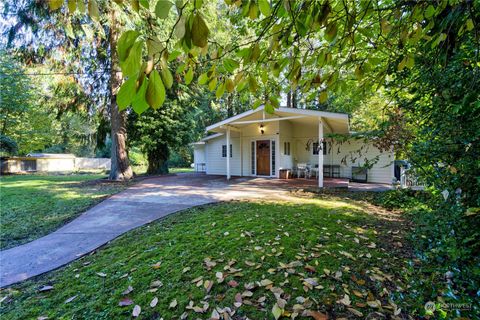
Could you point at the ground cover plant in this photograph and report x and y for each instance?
(259, 260)
(35, 205)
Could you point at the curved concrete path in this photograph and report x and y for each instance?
(140, 204)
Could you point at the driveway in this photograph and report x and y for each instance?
(147, 201)
(142, 203)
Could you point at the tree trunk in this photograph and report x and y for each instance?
(294, 98)
(230, 105)
(289, 98)
(157, 159)
(120, 168)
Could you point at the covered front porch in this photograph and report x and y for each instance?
(259, 144)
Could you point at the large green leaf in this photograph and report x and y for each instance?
(230, 64)
(81, 6)
(155, 90)
(162, 9)
(72, 6)
(126, 41)
(203, 78)
(55, 4)
(139, 104)
(93, 11)
(189, 76)
(199, 31)
(133, 62)
(180, 27)
(331, 31)
(323, 97)
(154, 46)
(220, 90)
(126, 94)
(264, 7)
(167, 76)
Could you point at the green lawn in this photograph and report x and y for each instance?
(180, 170)
(330, 255)
(34, 205)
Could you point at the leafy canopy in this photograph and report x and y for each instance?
(313, 46)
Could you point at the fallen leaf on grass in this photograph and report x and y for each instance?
(136, 311)
(265, 282)
(315, 315)
(208, 284)
(154, 302)
(42, 318)
(247, 293)
(277, 311)
(156, 284)
(355, 312)
(157, 265)
(45, 288)
(101, 274)
(125, 302)
(70, 299)
(215, 315)
(129, 289)
(186, 269)
(232, 283)
(345, 300)
(173, 304)
(310, 268)
(374, 304)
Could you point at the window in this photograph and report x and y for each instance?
(224, 151)
(286, 148)
(273, 157)
(324, 147)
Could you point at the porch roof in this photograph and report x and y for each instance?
(336, 122)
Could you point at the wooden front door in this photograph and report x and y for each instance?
(263, 157)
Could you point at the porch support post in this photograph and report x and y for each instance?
(320, 153)
(228, 153)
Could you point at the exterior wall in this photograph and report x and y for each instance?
(92, 163)
(286, 135)
(50, 165)
(199, 160)
(216, 164)
(198, 154)
(356, 152)
(14, 164)
(348, 154)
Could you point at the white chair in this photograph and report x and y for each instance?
(301, 170)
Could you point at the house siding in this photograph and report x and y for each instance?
(216, 163)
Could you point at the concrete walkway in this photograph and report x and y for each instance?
(142, 203)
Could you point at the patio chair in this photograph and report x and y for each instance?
(301, 170)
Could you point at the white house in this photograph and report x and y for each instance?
(256, 143)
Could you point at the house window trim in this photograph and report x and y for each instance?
(286, 148)
(224, 150)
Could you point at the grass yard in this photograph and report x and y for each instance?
(314, 257)
(180, 170)
(34, 205)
